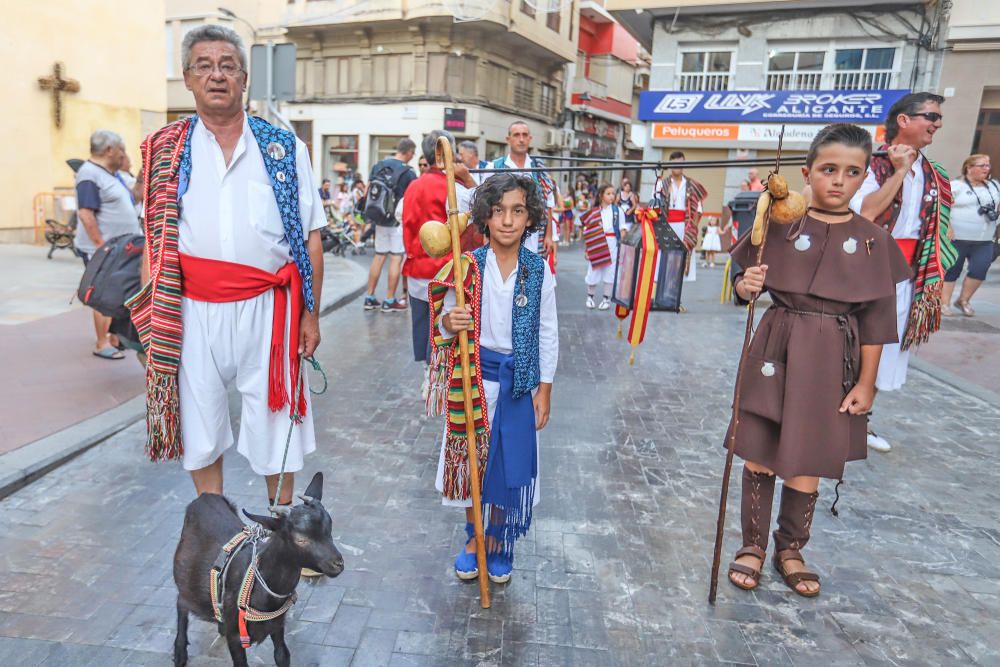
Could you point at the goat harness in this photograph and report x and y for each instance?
(217, 583)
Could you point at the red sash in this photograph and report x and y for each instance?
(676, 215)
(215, 281)
(909, 248)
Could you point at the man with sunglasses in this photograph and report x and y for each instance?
(910, 195)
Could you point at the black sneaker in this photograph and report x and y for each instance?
(371, 303)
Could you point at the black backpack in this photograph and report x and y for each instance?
(380, 203)
(112, 275)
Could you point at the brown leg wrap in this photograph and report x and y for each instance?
(795, 518)
(755, 509)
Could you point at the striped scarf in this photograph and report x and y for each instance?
(693, 198)
(594, 241)
(935, 253)
(156, 309)
(449, 374)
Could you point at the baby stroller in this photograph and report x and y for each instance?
(337, 239)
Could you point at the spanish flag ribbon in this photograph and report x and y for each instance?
(643, 287)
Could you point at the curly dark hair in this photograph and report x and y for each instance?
(491, 192)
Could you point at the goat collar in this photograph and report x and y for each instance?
(217, 580)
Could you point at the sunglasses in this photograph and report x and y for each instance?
(932, 116)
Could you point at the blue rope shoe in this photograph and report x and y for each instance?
(499, 567)
(465, 563)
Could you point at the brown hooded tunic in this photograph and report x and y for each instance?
(805, 355)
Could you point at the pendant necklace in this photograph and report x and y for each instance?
(521, 300)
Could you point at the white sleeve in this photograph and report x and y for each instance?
(701, 209)
(449, 303)
(869, 186)
(464, 197)
(310, 206)
(548, 330)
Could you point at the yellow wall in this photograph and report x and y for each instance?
(115, 50)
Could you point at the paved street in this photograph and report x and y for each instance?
(615, 569)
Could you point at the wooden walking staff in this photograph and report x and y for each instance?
(432, 237)
(759, 239)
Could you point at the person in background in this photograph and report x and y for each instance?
(753, 182)
(628, 201)
(974, 228)
(422, 166)
(326, 195)
(468, 153)
(106, 208)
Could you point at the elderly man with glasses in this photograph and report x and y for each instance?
(910, 195)
(232, 276)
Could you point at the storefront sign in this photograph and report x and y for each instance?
(454, 119)
(748, 132)
(790, 106)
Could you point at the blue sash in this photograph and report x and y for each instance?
(512, 466)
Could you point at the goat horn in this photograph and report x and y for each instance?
(279, 510)
(307, 499)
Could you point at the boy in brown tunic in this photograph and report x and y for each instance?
(809, 379)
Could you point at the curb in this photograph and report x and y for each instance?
(36, 459)
(955, 382)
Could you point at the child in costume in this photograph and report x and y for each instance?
(603, 227)
(510, 314)
(712, 243)
(809, 377)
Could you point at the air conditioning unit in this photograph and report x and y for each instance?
(553, 138)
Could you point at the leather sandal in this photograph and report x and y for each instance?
(793, 579)
(752, 572)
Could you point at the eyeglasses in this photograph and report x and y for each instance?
(932, 116)
(985, 164)
(204, 69)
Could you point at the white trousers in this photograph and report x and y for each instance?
(605, 274)
(222, 344)
(492, 390)
(894, 362)
(691, 274)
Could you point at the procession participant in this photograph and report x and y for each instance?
(910, 196)
(513, 333)
(517, 158)
(809, 377)
(468, 153)
(752, 182)
(232, 276)
(628, 201)
(603, 226)
(684, 209)
(427, 199)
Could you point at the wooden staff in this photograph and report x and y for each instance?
(454, 227)
(720, 525)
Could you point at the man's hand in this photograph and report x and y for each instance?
(859, 399)
(463, 176)
(752, 282)
(542, 401)
(308, 333)
(458, 319)
(902, 157)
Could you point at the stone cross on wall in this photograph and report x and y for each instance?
(58, 85)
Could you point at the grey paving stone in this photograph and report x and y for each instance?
(375, 648)
(347, 626)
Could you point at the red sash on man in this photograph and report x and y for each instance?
(216, 281)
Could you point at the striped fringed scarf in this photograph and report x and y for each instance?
(595, 243)
(695, 194)
(935, 253)
(446, 367)
(156, 309)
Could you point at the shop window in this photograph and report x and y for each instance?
(340, 156)
(705, 70)
(383, 147)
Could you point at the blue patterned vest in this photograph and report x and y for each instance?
(277, 148)
(526, 320)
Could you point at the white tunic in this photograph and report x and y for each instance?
(678, 202)
(229, 213)
(606, 274)
(895, 361)
(496, 334)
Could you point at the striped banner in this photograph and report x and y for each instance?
(644, 286)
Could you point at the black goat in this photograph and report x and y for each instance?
(300, 537)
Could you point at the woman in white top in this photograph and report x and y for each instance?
(973, 229)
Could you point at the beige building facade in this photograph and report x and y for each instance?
(110, 53)
(970, 82)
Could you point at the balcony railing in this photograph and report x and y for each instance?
(794, 80)
(705, 81)
(863, 79)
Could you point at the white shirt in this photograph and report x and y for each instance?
(496, 324)
(908, 223)
(678, 194)
(608, 219)
(966, 221)
(229, 213)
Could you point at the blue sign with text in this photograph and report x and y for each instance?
(758, 106)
